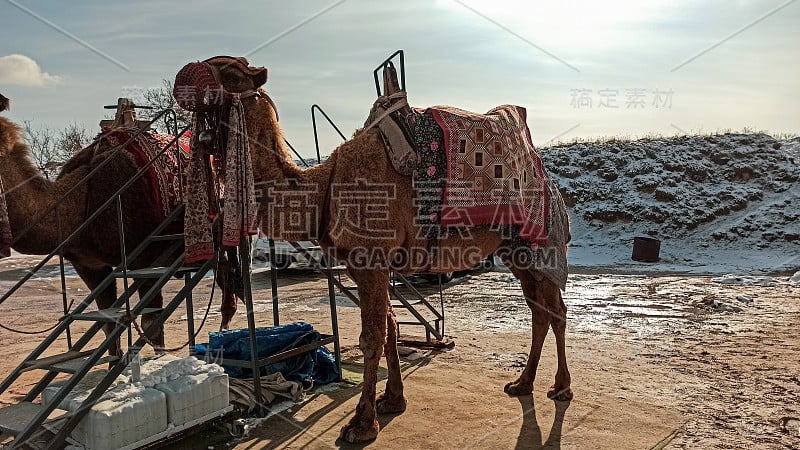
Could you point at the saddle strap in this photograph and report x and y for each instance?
(383, 100)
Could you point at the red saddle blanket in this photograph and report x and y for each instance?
(164, 173)
(494, 175)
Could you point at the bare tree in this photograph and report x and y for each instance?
(51, 149)
(71, 140)
(160, 99)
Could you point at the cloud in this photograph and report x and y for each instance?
(21, 70)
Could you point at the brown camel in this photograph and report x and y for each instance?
(96, 250)
(316, 203)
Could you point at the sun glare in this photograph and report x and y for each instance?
(581, 24)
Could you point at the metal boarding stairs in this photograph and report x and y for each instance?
(402, 292)
(43, 425)
(24, 420)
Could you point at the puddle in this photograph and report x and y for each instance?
(596, 302)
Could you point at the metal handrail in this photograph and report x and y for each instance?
(389, 61)
(314, 108)
(302, 160)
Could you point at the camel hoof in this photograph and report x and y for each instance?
(385, 405)
(560, 394)
(515, 388)
(356, 432)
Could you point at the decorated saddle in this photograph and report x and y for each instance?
(482, 170)
(483, 166)
(164, 174)
(494, 175)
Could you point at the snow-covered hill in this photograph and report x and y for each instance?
(718, 203)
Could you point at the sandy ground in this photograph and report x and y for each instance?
(657, 361)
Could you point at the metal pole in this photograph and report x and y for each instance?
(273, 273)
(337, 351)
(441, 302)
(63, 279)
(244, 260)
(187, 277)
(123, 252)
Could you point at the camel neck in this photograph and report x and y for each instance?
(29, 195)
(291, 199)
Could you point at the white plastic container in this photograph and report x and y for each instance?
(170, 390)
(131, 414)
(79, 393)
(193, 396)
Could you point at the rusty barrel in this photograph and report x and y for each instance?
(646, 249)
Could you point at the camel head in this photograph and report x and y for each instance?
(211, 84)
(208, 88)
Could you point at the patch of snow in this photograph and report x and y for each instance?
(745, 280)
(413, 357)
(795, 279)
(341, 300)
(506, 279)
(719, 204)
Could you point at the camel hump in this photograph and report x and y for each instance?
(5, 103)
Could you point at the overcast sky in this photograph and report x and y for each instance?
(581, 68)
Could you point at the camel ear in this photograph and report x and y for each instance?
(260, 77)
(5, 103)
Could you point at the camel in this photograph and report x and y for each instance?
(304, 204)
(96, 250)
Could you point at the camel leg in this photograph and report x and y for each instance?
(373, 293)
(533, 287)
(92, 277)
(157, 338)
(392, 401)
(560, 390)
(229, 300)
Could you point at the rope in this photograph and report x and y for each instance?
(13, 330)
(60, 319)
(196, 333)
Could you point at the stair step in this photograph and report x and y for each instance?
(401, 305)
(110, 314)
(56, 359)
(74, 365)
(435, 322)
(153, 272)
(14, 418)
(167, 237)
(409, 318)
(68, 362)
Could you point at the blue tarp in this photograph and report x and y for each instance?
(317, 366)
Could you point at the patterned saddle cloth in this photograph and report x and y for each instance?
(484, 168)
(164, 174)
